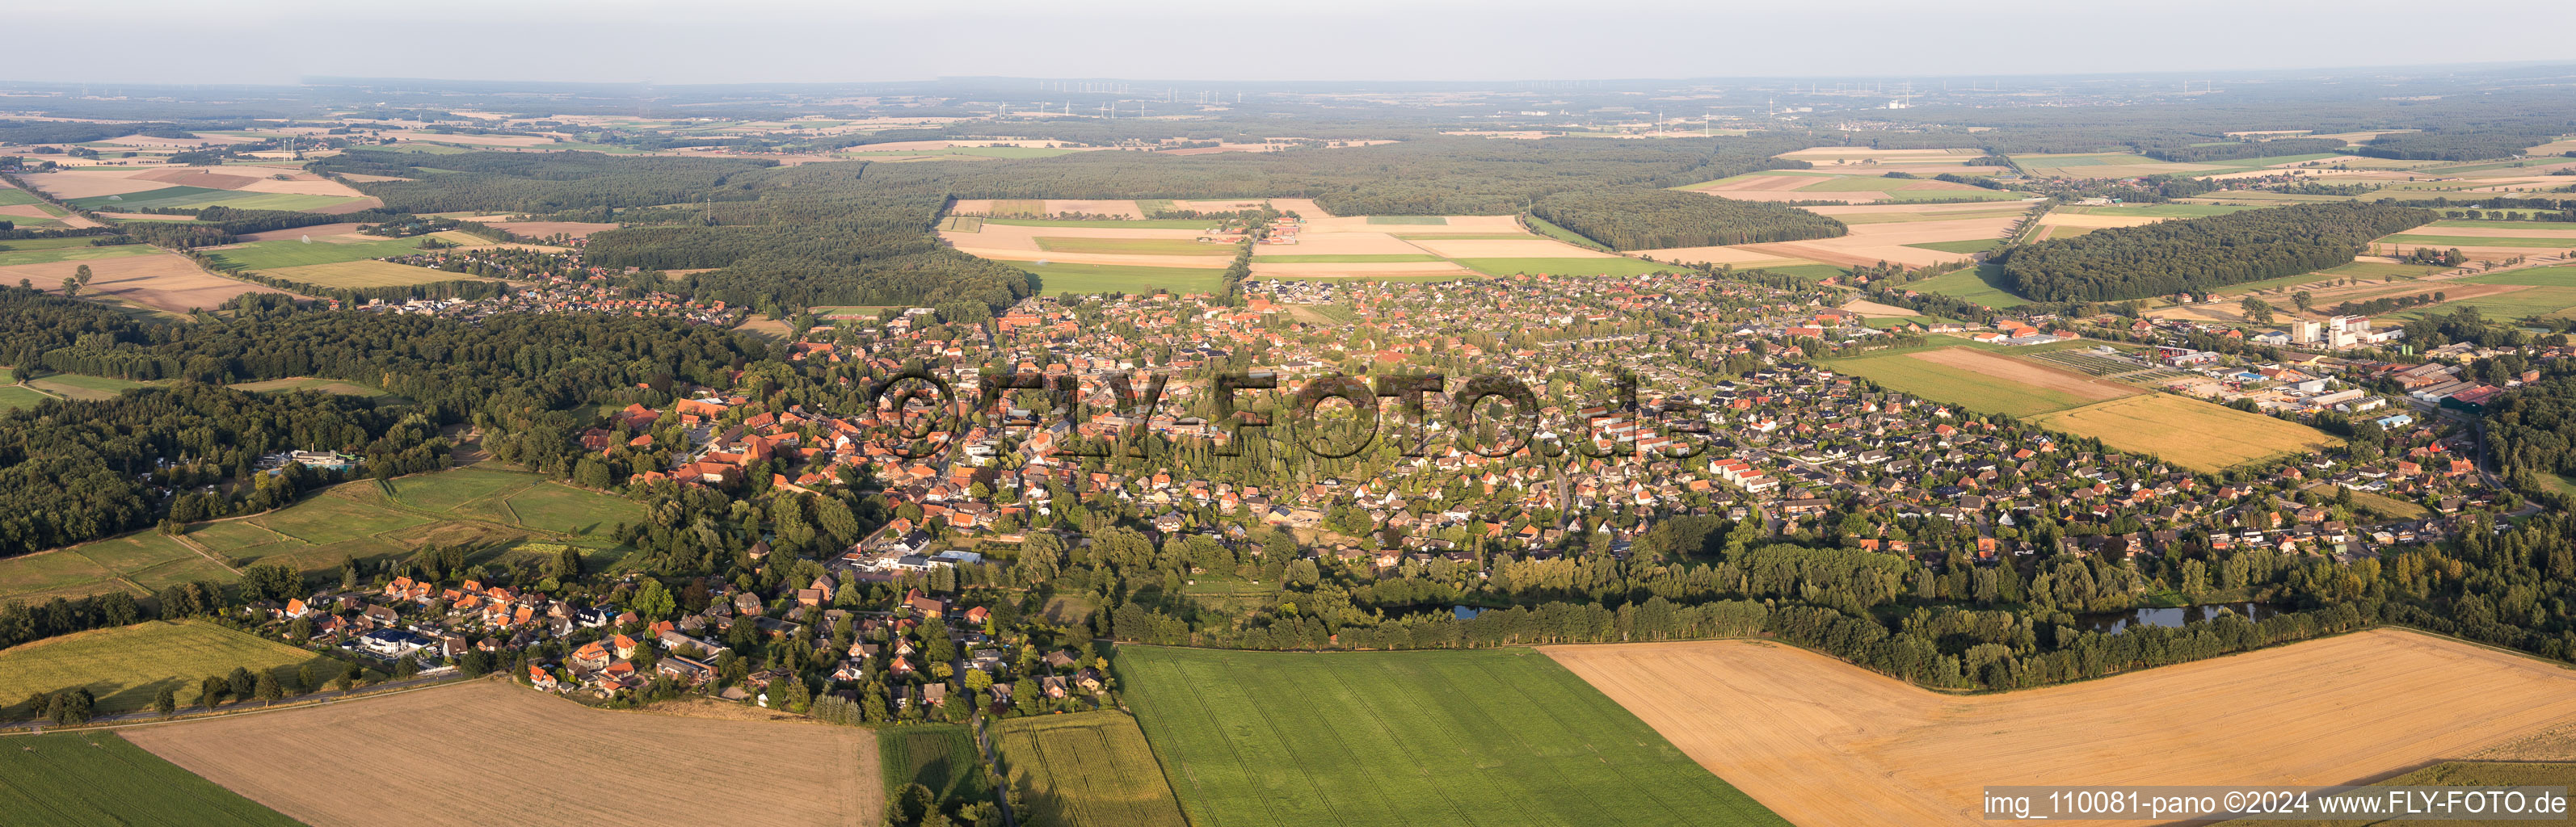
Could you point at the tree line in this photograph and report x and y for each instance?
(1645, 219)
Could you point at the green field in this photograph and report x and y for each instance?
(1973, 245)
(1086, 769)
(1434, 220)
(2241, 164)
(125, 666)
(1551, 230)
(1565, 266)
(1986, 285)
(1405, 738)
(939, 756)
(367, 520)
(70, 254)
(2415, 240)
(311, 384)
(1061, 279)
(12, 196)
(78, 386)
(2475, 224)
(167, 197)
(139, 564)
(2197, 435)
(13, 397)
(1360, 258)
(2161, 210)
(368, 273)
(973, 151)
(2563, 276)
(292, 252)
(76, 779)
(1133, 246)
(1955, 386)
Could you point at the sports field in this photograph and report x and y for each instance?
(1056, 279)
(1828, 744)
(366, 520)
(1982, 381)
(77, 779)
(126, 666)
(518, 753)
(1410, 738)
(941, 757)
(1086, 769)
(2195, 434)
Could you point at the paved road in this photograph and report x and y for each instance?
(322, 697)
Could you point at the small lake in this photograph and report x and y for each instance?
(1466, 612)
(2110, 622)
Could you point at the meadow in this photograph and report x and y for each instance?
(167, 197)
(13, 397)
(289, 252)
(1087, 769)
(368, 520)
(1984, 284)
(312, 384)
(127, 665)
(139, 564)
(2194, 434)
(1056, 279)
(22, 252)
(941, 757)
(1407, 738)
(74, 779)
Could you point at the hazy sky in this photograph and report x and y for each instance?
(723, 41)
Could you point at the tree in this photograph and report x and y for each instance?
(2306, 303)
(2256, 310)
(267, 690)
(211, 692)
(241, 683)
(653, 601)
(71, 286)
(405, 668)
(166, 702)
(81, 275)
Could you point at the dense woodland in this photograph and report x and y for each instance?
(1646, 219)
(2450, 145)
(2199, 254)
(2245, 149)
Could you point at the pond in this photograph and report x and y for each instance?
(2175, 617)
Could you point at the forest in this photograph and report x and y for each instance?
(2244, 149)
(1645, 219)
(2441, 145)
(2198, 254)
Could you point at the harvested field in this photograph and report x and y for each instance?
(2188, 432)
(160, 280)
(195, 177)
(1451, 225)
(1304, 207)
(1844, 211)
(1304, 270)
(1110, 259)
(666, 765)
(1873, 309)
(1738, 256)
(1827, 744)
(1532, 248)
(1980, 381)
(87, 184)
(541, 229)
(333, 233)
(1038, 208)
(1218, 205)
(367, 273)
(1997, 365)
(1338, 244)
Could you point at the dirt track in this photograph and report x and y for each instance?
(1826, 744)
(494, 753)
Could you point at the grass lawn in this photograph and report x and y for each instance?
(368, 273)
(291, 252)
(67, 779)
(1085, 769)
(69, 255)
(939, 756)
(125, 666)
(13, 397)
(1973, 245)
(2195, 434)
(1436, 220)
(1403, 738)
(1061, 279)
(1133, 246)
(1145, 224)
(1948, 385)
(1566, 266)
(1985, 284)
